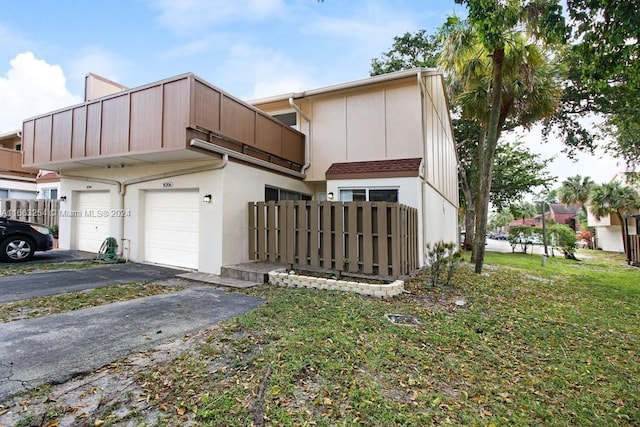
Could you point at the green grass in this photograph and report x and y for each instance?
(555, 345)
(15, 269)
(44, 306)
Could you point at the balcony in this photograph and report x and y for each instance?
(11, 164)
(156, 123)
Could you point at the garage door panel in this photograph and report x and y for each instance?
(92, 226)
(172, 228)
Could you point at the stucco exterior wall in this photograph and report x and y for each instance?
(242, 185)
(222, 223)
(610, 238)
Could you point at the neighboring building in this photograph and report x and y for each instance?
(16, 181)
(556, 212)
(169, 168)
(48, 185)
(608, 228)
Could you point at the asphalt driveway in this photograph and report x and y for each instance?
(53, 349)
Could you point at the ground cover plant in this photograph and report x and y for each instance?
(521, 344)
(38, 267)
(44, 306)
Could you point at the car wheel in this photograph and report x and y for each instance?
(17, 249)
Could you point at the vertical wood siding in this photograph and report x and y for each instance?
(360, 237)
(155, 118)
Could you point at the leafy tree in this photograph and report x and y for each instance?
(614, 198)
(575, 191)
(517, 171)
(408, 51)
(603, 76)
(501, 74)
(523, 210)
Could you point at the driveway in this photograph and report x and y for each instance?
(55, 348)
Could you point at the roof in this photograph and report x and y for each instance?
(48, 177)
(560, 209)
(375, 169)
(382, 78)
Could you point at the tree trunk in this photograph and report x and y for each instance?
(486, 156)
(623, 230)
(469, 212)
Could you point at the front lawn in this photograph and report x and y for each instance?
(521, 344)
(532, 345)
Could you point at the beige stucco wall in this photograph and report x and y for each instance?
(609, 238)
(371, 124)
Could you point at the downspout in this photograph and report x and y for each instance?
(307, 144)
(423, 168)
(122, 186)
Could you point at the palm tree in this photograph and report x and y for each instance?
(575, 192)
(614, 198)
(501, 77)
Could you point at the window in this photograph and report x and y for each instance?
(49, 193)
(273, 194)
(289, 119)
(369, 195)
(18, 147)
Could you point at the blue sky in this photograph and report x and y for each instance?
(249, 48)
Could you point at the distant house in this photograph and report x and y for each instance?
(16, 181)
(557, 212)
(608, 228)
(170, 168)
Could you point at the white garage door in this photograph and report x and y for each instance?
(171, 227)
(92, 224)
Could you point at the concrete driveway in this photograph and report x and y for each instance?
(55, 348)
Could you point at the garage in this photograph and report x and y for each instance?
(171, 228)
(92, 219)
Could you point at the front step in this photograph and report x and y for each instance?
(251, 272)
(214, 279)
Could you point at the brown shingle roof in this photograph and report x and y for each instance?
(374, 169)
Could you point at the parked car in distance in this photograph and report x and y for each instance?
(535, 240)
(19, 240)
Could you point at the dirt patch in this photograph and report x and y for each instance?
(113, 394)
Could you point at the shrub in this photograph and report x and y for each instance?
(442, 260)
(564, 238)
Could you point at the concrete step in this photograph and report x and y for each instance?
(214, 279)
(251, 272)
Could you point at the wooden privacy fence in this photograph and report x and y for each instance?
(41, 211)
(358, 237)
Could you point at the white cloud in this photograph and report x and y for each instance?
(195, 15)
(31, 87)
(270, 72)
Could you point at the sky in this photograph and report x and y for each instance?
(249, 48)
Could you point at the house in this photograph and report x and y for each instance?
(557, 212)
(169, 168)
(47, 185)
(609, 227)
(16, 181)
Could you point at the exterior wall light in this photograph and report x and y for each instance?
(207, 198)
(63, 198)
(329, 196)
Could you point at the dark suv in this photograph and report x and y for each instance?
(19, 240)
